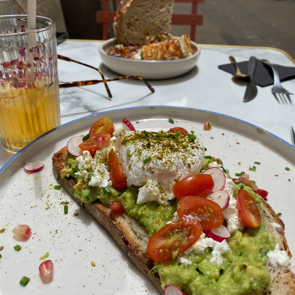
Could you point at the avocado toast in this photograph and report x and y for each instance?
(133, 239)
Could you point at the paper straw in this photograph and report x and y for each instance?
(31, 12)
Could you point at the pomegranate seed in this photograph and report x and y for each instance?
(46, 271)
(116, 207)
(22, 232)
(263, 193)
(207, 126)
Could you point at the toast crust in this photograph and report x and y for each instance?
(132, 238)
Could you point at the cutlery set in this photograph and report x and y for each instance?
(281, 94)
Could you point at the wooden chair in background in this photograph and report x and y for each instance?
(106, 17)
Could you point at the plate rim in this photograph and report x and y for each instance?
(7, 164)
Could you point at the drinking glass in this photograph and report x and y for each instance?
(29, 90)
(8, 7)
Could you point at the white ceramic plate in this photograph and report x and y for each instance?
(148, 69)
(73, 242)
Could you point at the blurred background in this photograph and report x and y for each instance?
(268, 23)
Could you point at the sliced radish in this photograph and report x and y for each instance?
(221, 198)
(262, 193)
(218, 178)
(218, 234)
(172, 290)
(127, 125)
(34, 166)
(73, 146)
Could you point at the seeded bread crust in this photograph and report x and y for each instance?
(137, 19)
(133, 238)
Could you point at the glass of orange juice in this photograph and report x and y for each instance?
(29, 91)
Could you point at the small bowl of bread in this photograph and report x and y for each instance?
(143, 47)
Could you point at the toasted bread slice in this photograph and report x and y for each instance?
(137, 19)
(133, 238)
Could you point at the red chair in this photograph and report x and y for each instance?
(106, 17)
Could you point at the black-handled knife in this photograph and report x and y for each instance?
(251, 90)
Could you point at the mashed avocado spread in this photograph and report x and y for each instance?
(243, 268)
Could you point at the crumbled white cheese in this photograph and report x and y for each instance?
(214, 164)
(184, 260)
(170, 161)
(219, 248)
(119, 130)
(137, 55)
(278, 258)
(96, 166)
(275, 225)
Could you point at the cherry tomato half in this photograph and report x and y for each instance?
(207, 212)
(116, 207)
(262, 193)
(248, 209)
(197, 185)
(104, 125)
(95, 143)
(117, 175)
(177, 129)
(175, 236)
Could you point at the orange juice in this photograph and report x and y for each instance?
(27, 113)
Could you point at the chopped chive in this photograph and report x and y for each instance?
(139, 152)
(73, 191)
(86, 137)
(108, 167)
(171, 121)
(237, 182)
(158, 38)
(87, 169)
(106, 190)
(205, 149)
(254, 181)
(252, 169)
(88, 198)
(145, 133)
(148, 145)
(0, 255)
(242, 186)
(114, 140)
(155, 138)
(128, 153)
(222, 133)
(89, 175)
(17, 248)
(24, 281)
(257, 163)
(74, 170)
(154, 132)
(239, 174)
(147, 160)
(266, 199)
(279, 214)
(287, 168)
(66, 209)
(44, 256)
(192, 132)
(57, 186)
(192, 137)
(124, 141)
(209, 125)
(208, 157)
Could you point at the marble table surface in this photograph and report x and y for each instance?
(204, 87)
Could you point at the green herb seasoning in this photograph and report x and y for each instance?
(0, 255)
(205, 149)
(128, 153)
(89, 176)
(106, 190)
(88, 198)
(87, 169)
(158, 38)
(222, 133)
(148, 146)
(108, 167)
(147, 160)
(242, 186)
(139, 152)
(239, 174)
(279, 214)
(86, 137)
(44, 256)
(287, 168)
(124, 141)
(171, 121)
(257, 163)
(208, 157)
(145, 133)
(66, 209)
(209, 125)
(252, 168)
(24, 281)
(57, 186)
(17, 248)
(192, 132)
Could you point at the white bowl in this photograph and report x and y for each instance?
(148, 69)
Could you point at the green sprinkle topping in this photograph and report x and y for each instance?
(239, 174)
(44, 256)
(66, 209)
(88, 198)
(106, 190)
(86, 137)
(89, 176)
(158, 38)
(254, 181)
(252, 168)
(209, 125)
(257, 163)
(171, 121)
(88, 169)
(242, 186)
(192, 137)
(266, 199)
(0, 255)
(205, 149)
(279, 214)
(147, 160)
(128, 153)
(145, 133)
(287, 168)
(192, 132)
(17, 248)
(207, 157)
(57, 186)
(139, 152)
(108, 168)
(148, 146)
(237, 182)
(222, 133)
(74, 170)
(124, 141)
(24, 281)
